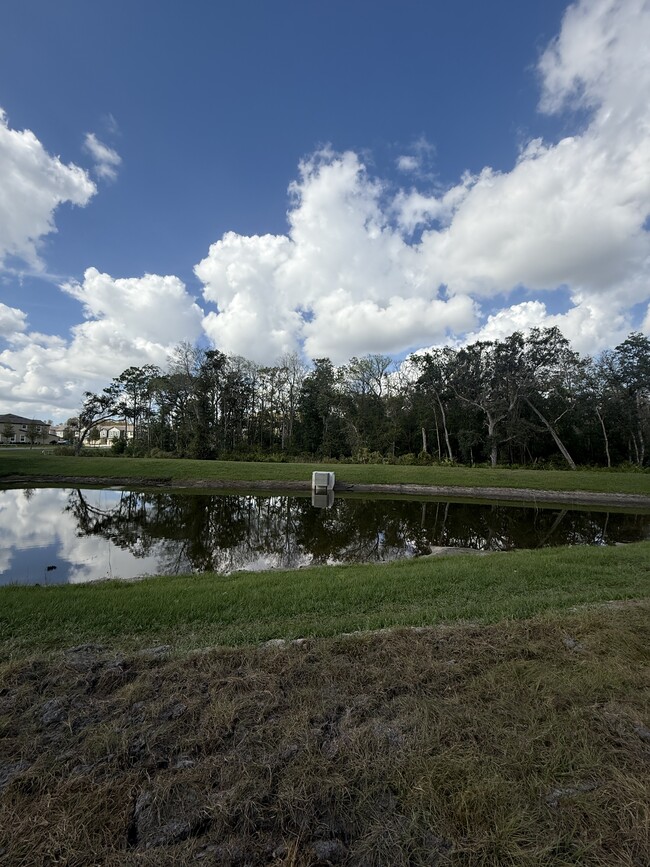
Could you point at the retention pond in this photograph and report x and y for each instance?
(58, 535)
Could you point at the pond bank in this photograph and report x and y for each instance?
(201, 609)
(464, 492)
(367, 749)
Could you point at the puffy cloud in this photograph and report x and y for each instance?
(12, 320)
(571, 213)
(149, 311)
(407, 163)
(107, 160)
(599, 59)
(362, 326)
(421, 152)
(414, 209)
(343, 279)
(588, 326)
(33, 185)
(349, 277)
(132, 321)
(239, 275)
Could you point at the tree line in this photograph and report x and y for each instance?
(527, 399)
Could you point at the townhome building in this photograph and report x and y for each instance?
(16, 429)
(105, 432)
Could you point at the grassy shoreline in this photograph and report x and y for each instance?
(200, 610)
(243, 608)
(159, 722)
(34, 464)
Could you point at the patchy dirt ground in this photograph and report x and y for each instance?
(522, 743)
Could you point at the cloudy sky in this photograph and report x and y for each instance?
(337, 178)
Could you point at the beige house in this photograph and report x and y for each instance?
(58, 432)
(17, 430)
(108, 431)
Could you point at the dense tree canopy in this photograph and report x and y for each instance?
(527, 399)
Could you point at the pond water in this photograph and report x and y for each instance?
(57, 535)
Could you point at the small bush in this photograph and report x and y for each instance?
(118, 446)
(629, 467)
(407, 460)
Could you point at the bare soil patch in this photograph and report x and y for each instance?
(519, 743)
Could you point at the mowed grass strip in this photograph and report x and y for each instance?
(30, 464)
(520, 743)
(209, 609)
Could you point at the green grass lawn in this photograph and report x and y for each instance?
(28, 464)
(208, 609)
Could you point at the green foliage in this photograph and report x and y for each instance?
(523, 400)
(67, 451)
(7, 431)
(118, 446)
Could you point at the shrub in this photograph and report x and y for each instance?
(406, 460)
(118, 446)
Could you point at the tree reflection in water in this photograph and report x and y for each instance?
(200, 532)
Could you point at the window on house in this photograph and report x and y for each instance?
(23, 439)
(23, 427)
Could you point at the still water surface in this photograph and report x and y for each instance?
(58, 535)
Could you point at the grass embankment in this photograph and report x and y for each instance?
(506, 741)
(34, 464)
(200, 610)
(522, 743)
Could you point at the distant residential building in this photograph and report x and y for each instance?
(108, 431)
(99, 436)
(16, 429)
(58, 431)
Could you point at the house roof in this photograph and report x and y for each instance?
(110, 423)
(10, 418)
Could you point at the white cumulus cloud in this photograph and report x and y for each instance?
(12, 320)
(350, 275)
(342, 280)
(32, 185)
(588, 326)
(133, 321)
(419, 155)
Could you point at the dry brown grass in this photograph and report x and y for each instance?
(521, 743)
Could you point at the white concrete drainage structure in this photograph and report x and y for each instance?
(322, 481)
(322, 490)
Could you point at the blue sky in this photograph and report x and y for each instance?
(333, 179)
